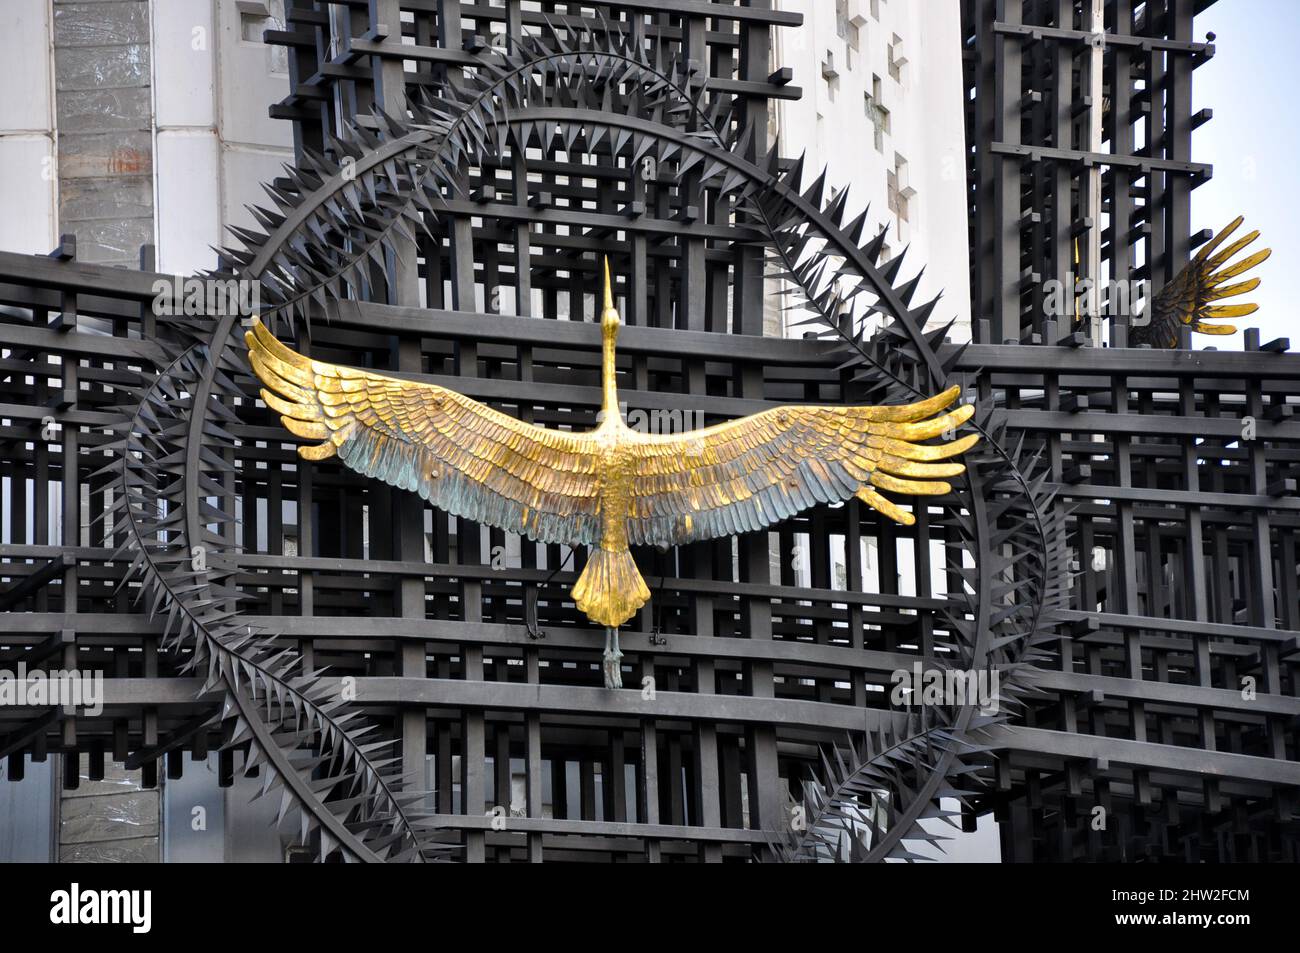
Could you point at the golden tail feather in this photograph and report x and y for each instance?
(610, 589)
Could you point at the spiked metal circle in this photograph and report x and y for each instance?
(347, 213)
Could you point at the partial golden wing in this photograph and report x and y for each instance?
(1188, 299)
(460, 455)
(747, 474)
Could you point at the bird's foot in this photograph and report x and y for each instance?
(612, 666)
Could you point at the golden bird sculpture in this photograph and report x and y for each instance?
(613, 486)
(1188, 299)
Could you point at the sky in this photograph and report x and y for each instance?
(1253, 86)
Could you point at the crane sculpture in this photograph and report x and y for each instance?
(611, 487)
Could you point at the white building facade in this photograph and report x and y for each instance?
(136, 122)
(882, 110)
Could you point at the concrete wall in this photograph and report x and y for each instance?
(137, 121)
(882, 110)
(216, 144)
(104, 127)
(28, 168)
(110, 821)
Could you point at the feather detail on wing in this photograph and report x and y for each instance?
(747, 474)
(460, 455)
(1188, 299)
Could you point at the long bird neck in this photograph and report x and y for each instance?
(608, 382)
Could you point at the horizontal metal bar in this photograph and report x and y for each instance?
(620, 829)
(1144, 755)
(585, 335)
(1105, 363)
(1145, 43)
(1170, 693)
(1148, 425)
(1221, 630)
(432, 693)
(1244, 502)
(46, 272)
(1142, 163)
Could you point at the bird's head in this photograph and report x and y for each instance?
(609, 320)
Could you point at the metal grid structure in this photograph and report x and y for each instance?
(1079, 142)
(1181, 466)
(762, 648)
(1174, 688)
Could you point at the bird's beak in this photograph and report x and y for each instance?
(609, 316)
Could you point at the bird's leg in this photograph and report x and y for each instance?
(613, 659)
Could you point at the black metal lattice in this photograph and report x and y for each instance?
(762, 651)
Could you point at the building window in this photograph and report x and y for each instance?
(899, 191)
(896, 59)
(258, 16)
(830, 74)
(877, 113)
(853, 24)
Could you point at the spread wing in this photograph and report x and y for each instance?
(1189, 298)
(747, 474)
(460, 455)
